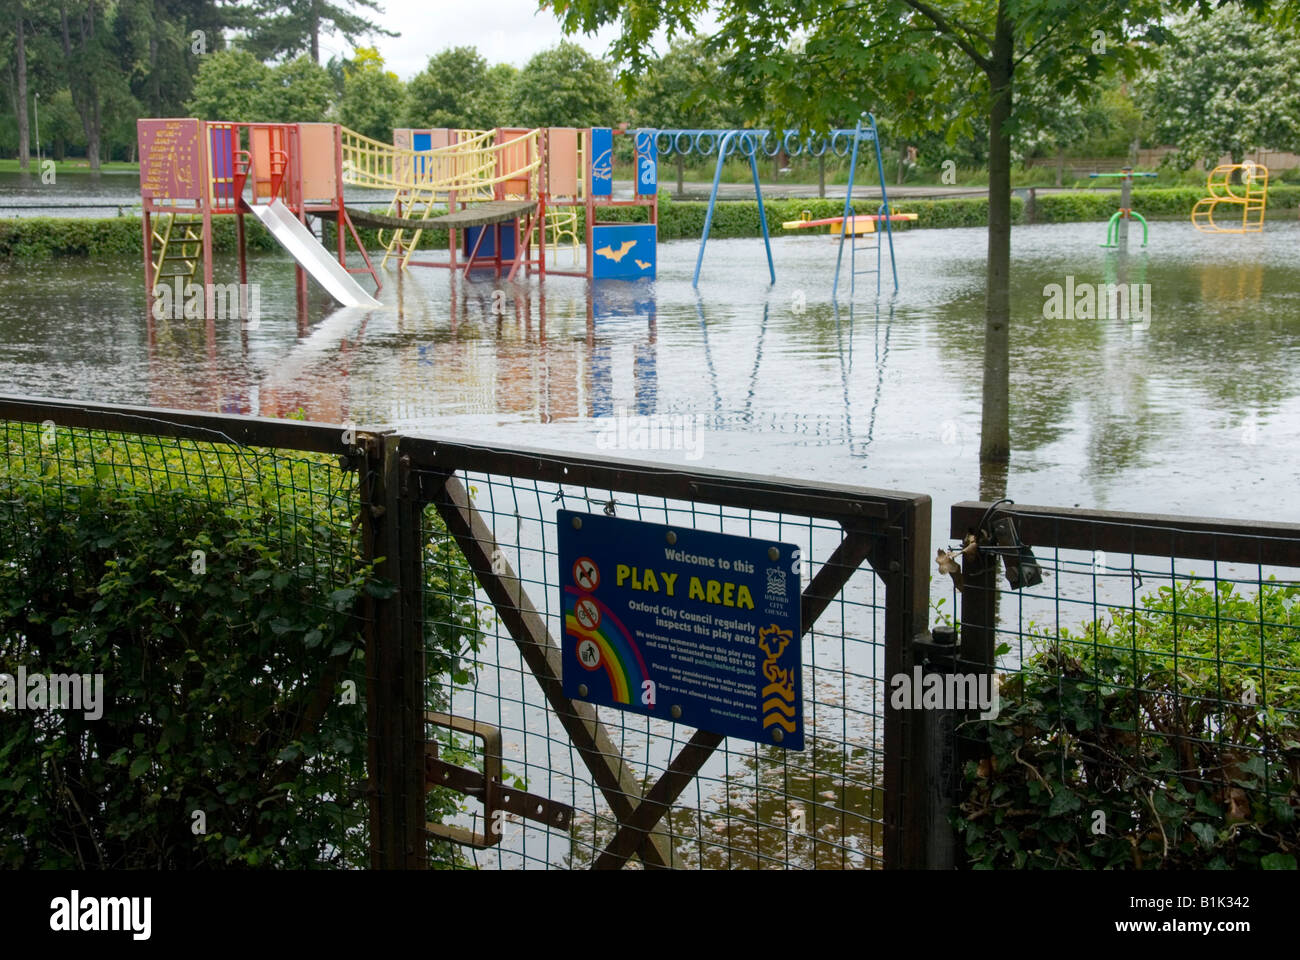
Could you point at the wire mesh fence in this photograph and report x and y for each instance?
(1150, 710)
(312, 647)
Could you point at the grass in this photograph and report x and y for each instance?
(69, 165)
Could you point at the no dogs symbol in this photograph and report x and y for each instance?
(586, 574)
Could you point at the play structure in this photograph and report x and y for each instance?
(859, 224)
(1117, 226)
(510, 198)
(1245, 200)
(499, 194)
(194, 170)
(772, 143)
(544, 176)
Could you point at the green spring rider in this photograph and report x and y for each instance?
(1117, 227)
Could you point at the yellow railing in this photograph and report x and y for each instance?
(1249, 196)
(467, 171)
(466, 166)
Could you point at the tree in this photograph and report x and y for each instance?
(285, 28)
(499, 102)
(809, 61)
(372, 96)
(451, 91)
(1225, 85)
(235, 85)
(229, 87)
(567, 87)
(20, 85)
(681, 90)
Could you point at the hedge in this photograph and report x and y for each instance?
(1174, 203)
(1148, 741)
(44, 237)
(224, 681)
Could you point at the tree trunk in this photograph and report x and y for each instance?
(24, 131)
(1060, 166)
(315, 31)
(81, 85)
(902, 164)
(995, 426)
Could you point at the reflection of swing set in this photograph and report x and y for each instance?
(1247, 198)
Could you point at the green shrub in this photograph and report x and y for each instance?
(1167, 726)
(225, 686)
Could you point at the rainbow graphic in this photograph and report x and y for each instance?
(619, 656)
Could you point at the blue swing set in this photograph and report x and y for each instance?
(749, 143)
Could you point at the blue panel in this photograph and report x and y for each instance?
(623, 251)
(487, 249)
(421, 141)
(602, 162)
(647, 164)
(682, 624)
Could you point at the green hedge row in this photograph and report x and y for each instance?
(1164, 203)
(44, 237)
(32, 238)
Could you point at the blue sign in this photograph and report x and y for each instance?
(697, 627)
(602, 161)
(647, 164)
(623, 251)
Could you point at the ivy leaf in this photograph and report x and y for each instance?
(138, 766)
(1278, 861)
(1206, 834)
(1065, 801)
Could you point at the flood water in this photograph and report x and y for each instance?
(1195, 412)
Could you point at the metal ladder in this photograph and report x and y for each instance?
(847, 225)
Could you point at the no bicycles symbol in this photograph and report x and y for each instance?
(586, 574)
(586, 613)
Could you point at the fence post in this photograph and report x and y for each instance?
(907, 613)
(392, 529)
(937, 751)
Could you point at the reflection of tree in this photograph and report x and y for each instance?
(1213, 335)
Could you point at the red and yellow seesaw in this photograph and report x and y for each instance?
(858, 225)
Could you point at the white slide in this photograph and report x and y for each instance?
(315, 259)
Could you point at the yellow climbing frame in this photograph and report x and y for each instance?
(1248, 197)
(466, 172)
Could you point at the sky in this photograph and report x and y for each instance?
(504, 31)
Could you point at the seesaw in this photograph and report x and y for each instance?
(863, 223)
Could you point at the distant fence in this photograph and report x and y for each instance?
(337, 647)
(1149, 159)
(1151, 715)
